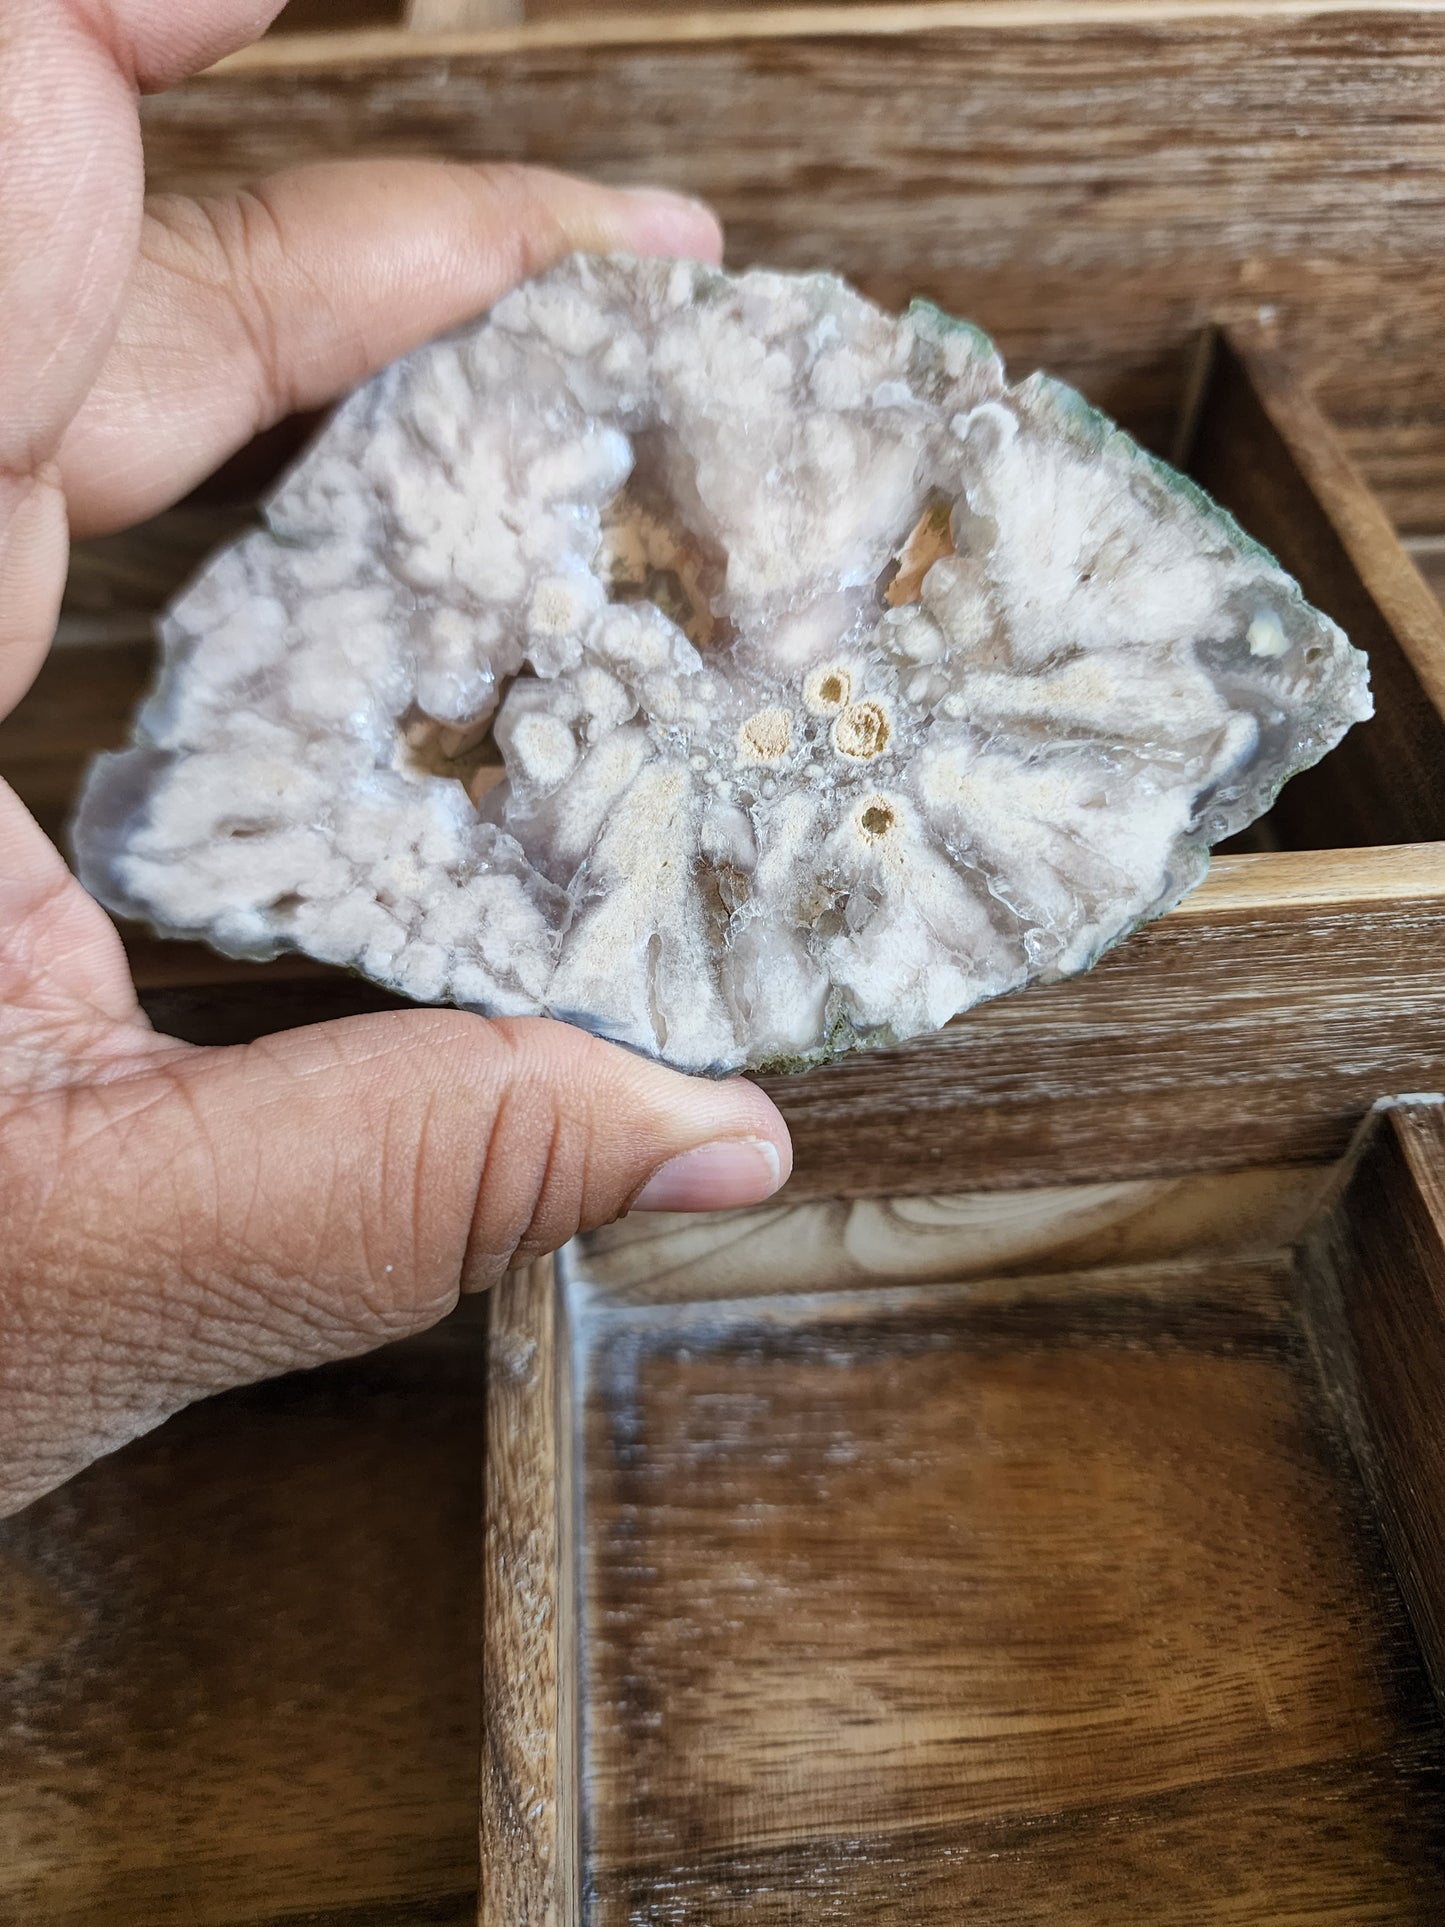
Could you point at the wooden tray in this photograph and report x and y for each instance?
(879, 1563)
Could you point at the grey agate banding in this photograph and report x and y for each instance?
(838, 685)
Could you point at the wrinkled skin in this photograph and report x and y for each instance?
(179, 1220)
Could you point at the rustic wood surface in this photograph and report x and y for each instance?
(1025, 1600)
(336, 16)
(203, 1737)
(1379, 1261)
(240, 1660)
(1091, 184)
(529, 1762)
(470, 16)
(1254, 1025)
(833, 1244)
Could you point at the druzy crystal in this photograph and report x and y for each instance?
(719, 663)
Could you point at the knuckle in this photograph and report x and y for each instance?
(520, 223)
(244, 244)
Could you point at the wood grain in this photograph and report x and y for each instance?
(333, 16)
(833, 1244)
(1231, 1032)
(529, 1767)
(1090, 184)
(1378, 1260)
(470, 16)
(1021, 1600)
(1255, 1025)
(239, 1660)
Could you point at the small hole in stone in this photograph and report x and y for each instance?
(831, 690)
(432, 748)
(877, 819)
(651, 550)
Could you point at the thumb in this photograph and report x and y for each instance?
(302, 285)
(217, 1216)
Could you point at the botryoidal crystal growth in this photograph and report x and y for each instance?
(716, 662)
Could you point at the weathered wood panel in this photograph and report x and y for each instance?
(1378, 1260)
(240, 1660)
(1089, 184)
(1254, 1025)
(832, 1245)
(530, 1657)
(1014, 1600)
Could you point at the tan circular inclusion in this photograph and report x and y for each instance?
(876, 817)
(827, 690)
(862, 732)
(766, 737)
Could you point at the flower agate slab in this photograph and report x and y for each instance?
(719, 663)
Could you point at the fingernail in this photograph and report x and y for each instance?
(715, 1177)
(666, 223)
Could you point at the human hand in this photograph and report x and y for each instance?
(178, 1220)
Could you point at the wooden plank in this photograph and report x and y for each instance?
(1231, 1032)
(624, 25)
(1014, 1600)
(835, 1244)
(1265, 451)
(529, 1768)
(445, 19)
(1255, 1026)
(333, 16)
(468, 16)
(1090, 183)
(239, 1660)
(1378, 1261)
(1308, 1845)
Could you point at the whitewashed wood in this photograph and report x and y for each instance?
(832, 1244)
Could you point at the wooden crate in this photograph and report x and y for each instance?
(869, 1563)
(1100, 185)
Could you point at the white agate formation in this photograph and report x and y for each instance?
(837, 684)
